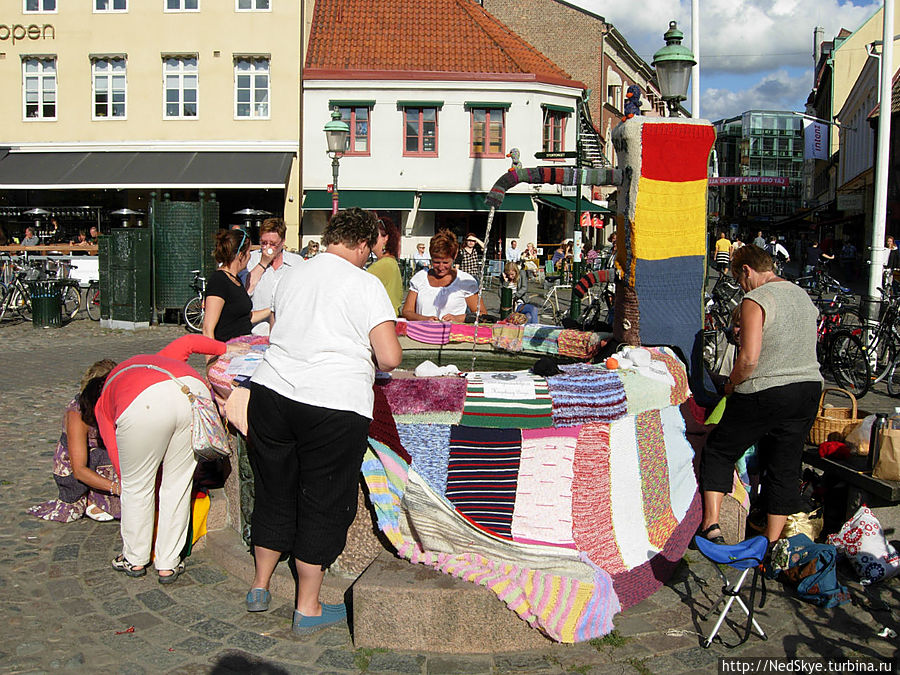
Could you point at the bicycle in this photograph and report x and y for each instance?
(92, 300)
(17, 297)
(550, 307)
(722, 300)
(193, 308)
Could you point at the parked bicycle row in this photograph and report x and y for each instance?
(20, 278)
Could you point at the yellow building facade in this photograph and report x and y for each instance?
(107, 101)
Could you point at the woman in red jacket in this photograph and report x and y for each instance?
(145, 421)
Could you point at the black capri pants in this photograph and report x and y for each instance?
(777, 420)
(306, 462)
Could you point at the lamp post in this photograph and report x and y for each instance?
(336, 133)
(673, 65)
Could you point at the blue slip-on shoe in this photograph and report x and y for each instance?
(331, 615)
(258, 600)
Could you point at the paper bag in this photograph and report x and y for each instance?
(888, 465)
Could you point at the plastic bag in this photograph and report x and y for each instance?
(859, 436)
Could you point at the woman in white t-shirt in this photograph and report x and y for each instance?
(442, 293)
(311, 402)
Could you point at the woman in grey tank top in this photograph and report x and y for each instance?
(773, 392)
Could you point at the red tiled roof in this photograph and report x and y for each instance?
(422, 36)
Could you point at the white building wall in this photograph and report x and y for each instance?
(857, 138)
(453, 170)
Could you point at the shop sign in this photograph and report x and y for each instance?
(850, 203)
(16, 32)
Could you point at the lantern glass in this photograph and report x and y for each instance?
(674, 78)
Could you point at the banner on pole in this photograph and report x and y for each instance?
(815, 140)
(749, 180)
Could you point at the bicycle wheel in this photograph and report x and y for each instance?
(21, 302)
(893, 379)
(714, 346)
(193, 315)
(849, 363)
(92, 301)
(4, 296)
(71, 302)
(883, 350)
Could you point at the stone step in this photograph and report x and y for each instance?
(399, 605)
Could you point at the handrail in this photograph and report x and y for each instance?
(44, 248)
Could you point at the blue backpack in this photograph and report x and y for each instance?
(811, 567)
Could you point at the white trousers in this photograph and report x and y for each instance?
(156, 430)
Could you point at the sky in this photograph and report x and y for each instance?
(754, 54)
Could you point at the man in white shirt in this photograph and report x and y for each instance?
(267, 266)
(512, 253)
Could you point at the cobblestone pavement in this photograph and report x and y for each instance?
(64, 609)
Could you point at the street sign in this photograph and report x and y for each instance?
(556, 155)
(568, 190)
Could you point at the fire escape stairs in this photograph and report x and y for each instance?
(591, 142)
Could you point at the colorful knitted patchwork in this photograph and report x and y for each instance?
(482, 476)
(465, 332)
(543, 510)
(578, 344)
(428, 332)
(644, 393)
(429, 445)
(681, 392)
(593, 529)
(407, 395)
(385, 474)
(508, 337)
(585, 393)
(482, 408)
(654, 478)
(625, 496)
(539, 338)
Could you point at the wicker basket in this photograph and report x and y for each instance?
(831, 420)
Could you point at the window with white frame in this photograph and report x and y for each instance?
(487, 132)
(182, 5)
(110, 5)
(180, 82)
(253, 5)
(251, 87)
(39, 88)
(39, 6)
(109, 87)
(554, 137)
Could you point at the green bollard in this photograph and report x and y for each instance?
(506, 301)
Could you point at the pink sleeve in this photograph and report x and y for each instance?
(186, 345)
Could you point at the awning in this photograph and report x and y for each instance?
(384, 200)
(568, 203)
(147, 170)
(472, 201)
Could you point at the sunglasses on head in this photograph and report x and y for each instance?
(243, 240)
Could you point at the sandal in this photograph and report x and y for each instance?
(718, 539)
(175, 573)
(120, 564)
(94, 512)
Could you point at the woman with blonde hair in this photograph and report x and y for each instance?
(84, 474)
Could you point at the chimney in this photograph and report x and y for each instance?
(818, 34)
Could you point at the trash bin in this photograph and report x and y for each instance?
(46, 303)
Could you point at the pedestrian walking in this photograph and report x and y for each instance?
(723, 253)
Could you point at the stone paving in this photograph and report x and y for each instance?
(66, 610)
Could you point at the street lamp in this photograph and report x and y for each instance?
(336, 133)
(673, 65)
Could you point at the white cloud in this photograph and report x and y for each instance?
(740, 36)
(774, 91)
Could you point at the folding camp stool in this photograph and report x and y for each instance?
(746, 556)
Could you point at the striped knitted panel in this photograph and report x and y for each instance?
(500, 413)
(585, 394)
(578, 344)
(408, 395)
(681, 392)
(641, 582)
(482, 476)
(385, 474)
(465, 332)
(429, 446)
(592, 521)
(428, 332)
(651, 445)
(543, 510)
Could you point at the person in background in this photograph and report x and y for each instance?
(311, 402)
(723, 253)
(266, 267)
(514, 279)
(471, 256)
(892, 264)
(30, 238)
(87, 482)
(736, 244)
(4, 240)
(814, 255)
(385, 267)
(513, 254)
(311, 250)
(227, 309)
(442, 293)
(773, 391)
(760, 240)
(420, 258)
(145, 420)
(94, 234)
(529, 260)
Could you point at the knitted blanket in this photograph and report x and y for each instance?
(524, 404)
(539, 338)
(508, 337)
(428, 332)
(465, 332)
(407, 395)
(584, 393)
